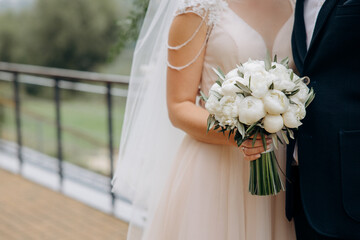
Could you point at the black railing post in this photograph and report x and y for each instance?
(110, 135)
(18, 120)
(58, 130)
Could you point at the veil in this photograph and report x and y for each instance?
(148, 141)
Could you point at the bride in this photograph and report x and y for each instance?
(184, 183)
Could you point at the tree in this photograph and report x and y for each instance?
(129, 28)
(75, 34)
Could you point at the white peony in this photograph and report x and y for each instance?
(216, 88)
(213, 105)
(281, 78)
(273, 123)
(229, 111)
(259, 84)
(295, 113)
(276, 102)
(303, 94)
(284, 85)
(233, 73)
(253, 66)
(229, 88)
(251, 110)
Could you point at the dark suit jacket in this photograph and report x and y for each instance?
(329, 139)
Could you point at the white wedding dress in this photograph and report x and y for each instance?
(206, 196)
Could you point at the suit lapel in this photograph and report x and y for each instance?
(321, 20)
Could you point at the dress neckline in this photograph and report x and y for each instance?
(258, 33)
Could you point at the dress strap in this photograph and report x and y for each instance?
(210, 13)
(191, 38)
(179, 68)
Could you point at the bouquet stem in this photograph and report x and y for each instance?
(264, 176)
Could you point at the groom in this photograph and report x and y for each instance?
(323, 196)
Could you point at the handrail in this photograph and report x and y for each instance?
(62, 73)
(56, 76)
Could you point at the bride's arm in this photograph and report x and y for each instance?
(183, 85)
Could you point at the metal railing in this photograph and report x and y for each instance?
(56, 75)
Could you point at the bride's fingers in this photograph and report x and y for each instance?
(249, 143)
(254, 150)
(251, 157)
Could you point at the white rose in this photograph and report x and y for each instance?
(251, 110)
(303, 94)
(273, 123)
(276, 102)
(295, 113)
(259, 84)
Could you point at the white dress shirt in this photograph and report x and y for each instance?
(311, 11)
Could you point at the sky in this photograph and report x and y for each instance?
(14, 4)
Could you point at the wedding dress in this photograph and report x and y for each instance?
(205, 195)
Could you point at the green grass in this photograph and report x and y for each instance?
(84, 119)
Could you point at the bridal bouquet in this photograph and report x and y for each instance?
(259, 98)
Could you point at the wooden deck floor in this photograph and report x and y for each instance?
(29, 211)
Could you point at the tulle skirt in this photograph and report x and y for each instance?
(206, 198)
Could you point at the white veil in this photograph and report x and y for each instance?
(149, 142)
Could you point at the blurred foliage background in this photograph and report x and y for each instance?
(87, 35)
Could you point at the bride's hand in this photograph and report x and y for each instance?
(254, 152)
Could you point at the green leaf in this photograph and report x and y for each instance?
(263, 138)
(292, 93)
(219, 83)
(250, 83)
(244, 88)
(218, 95)
(240, 74)
(241, 129)
(254, 137)
(310, 98)
(275, 140)
(220, 74)
(285, 62)
(292, 75)
(291, 133)
(203, 96)
(286, 139)
(230, 133)
(210, 122)
(275, 58)
(273, 66)
(251, 128)
(279, 139)
(267, 61)
(271, 86)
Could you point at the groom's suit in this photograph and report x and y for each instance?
(329, 140)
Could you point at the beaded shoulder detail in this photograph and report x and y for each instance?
(210, 13)
(210, 8)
